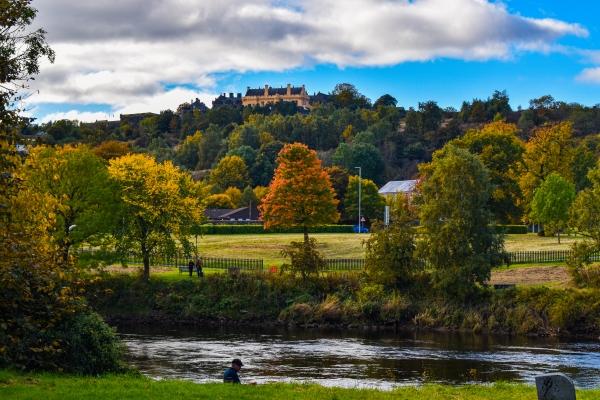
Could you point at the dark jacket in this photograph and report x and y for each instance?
(231, 376)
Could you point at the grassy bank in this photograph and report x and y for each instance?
(46, 386)
(342, 299)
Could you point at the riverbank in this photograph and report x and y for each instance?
(14, 385)
(342, 300)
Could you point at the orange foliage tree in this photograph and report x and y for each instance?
(300, 193)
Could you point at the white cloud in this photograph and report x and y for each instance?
(125, 53)
(589, 75)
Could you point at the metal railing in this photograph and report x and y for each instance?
(344, 264)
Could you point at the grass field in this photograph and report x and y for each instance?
(46, 386)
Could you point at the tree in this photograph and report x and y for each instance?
(160, 203)
(210, 146)
(218, 201)
(362, 155)
(111, 149)
(263, 170)
(339, 178)
(585, 210)
(583, 161)
(301, 192)
(457, 237)
(77, 180)
(551, 203)
(187, 153)
(231, 171)
(478, 111)
(548, 151)
(411, 123)
(261, 193)
(386, 100)
(246, 153)
(501, 151)
(372, 203)
(390, 255)
(248, 198)
(235, 195)
(430, 116)
(346, 95)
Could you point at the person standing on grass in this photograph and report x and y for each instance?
(199, 268)
(191, 267)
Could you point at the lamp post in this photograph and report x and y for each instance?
(359, 195)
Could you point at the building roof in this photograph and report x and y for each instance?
(394, 187)
(273, 91)
(227, 213)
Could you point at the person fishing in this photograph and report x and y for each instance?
(191, 266)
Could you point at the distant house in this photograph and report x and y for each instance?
(229, 101)
(392, 188)
(194, 105)
(244, 214)
(270, 95)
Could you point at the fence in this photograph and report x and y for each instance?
(344, 264)
(226, 263)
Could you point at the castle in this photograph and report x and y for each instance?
(270, 95)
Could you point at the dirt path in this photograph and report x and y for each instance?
(532, 275)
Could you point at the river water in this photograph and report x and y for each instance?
(355, 358)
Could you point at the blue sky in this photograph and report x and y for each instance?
(501, 46)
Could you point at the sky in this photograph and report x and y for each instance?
(116, 57)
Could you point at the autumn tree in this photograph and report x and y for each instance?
(372, 203)
(187, 153)
(457, 236)
(551, 203)
(234, 194)
(548, 151)
(79, 183)
(501, 151)
(219, 201)
(300, 193)
(111, 149)
(231, 172)
(160, 203)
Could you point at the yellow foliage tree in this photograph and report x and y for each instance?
(161, 203)
(112, 149)
(231, 172)
(548, 151)
(261, 192)
(235, 195)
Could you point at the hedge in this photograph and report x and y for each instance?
(255, 229)
(512, 229)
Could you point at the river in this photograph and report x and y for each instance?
(355, 358)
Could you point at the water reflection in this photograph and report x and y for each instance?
(354, 357)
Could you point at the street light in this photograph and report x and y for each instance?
(359, 195)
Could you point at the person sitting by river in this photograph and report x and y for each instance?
(231, 374)
(191, 266)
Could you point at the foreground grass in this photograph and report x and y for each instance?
(47, 386)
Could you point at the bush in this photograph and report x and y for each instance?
(256, 229)
(512, 229)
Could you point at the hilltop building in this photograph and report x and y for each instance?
(270, 95)
(194, 105)
(229, 101)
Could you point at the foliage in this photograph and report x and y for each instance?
(457, 237)
(585, 210)
(159, 204)
(372, 203)
(346, 95)
(231, 172)
(339, 181)
(548, 151)
(78, 182)
(501, 151)
(254, 229)
(362, 155)
(581, 267)
(187, 153)
(385, 100)
(300, 193)
(512, 229)
(248, 198)
(111, 149)
(234, 194)
(218, 201)
(551, 203)
(390, 250)
(304, 258)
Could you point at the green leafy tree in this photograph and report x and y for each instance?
(187, 153)
(231, 172)
(430, 116)
(411, 123)
(246, 153)
(339, 180)
(248, 198)
(301, 193)
(79, 183)
(160, 204)
(210, 147)
(457, 237)
(390, 255)
(372, 203)
(346, 95)
(361, 155)
(551, 203)
(585, 210)
(386, 101)
(583, 161)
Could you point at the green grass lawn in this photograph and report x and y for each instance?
(47, 386)
(532, 242)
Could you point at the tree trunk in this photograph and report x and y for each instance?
(146, 258)
(558, 234)
(305, 234)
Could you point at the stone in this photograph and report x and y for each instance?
(554, 387)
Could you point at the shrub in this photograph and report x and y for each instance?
(512, 229)
(329, 310)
